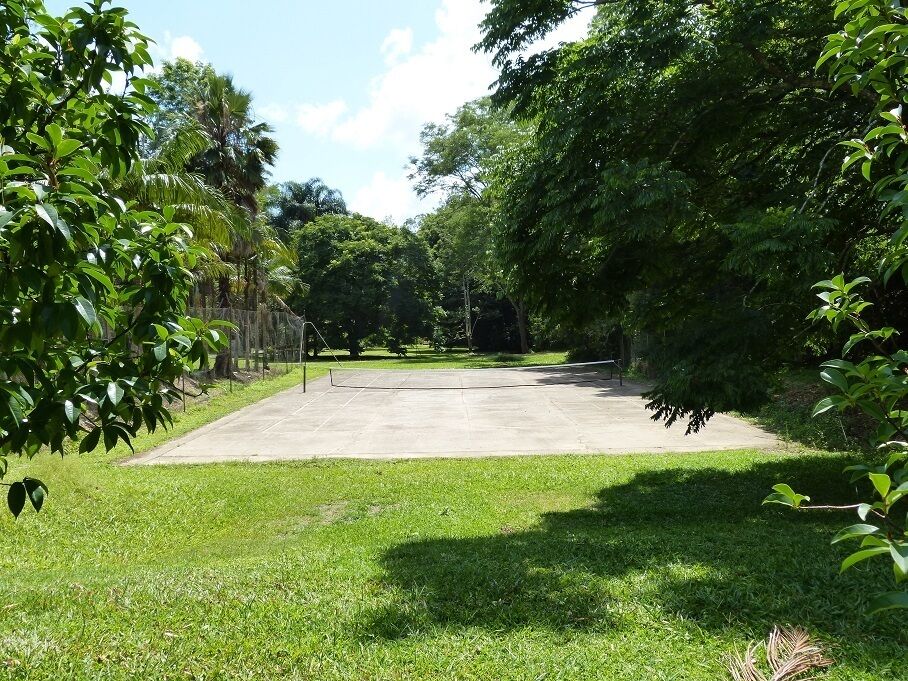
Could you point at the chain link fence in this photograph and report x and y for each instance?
(262, 340)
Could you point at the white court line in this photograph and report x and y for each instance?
(358, 392)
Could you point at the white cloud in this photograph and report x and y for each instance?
(422, 86)
(389, 197)
(398, 43)
(185, 47)
(176, 47)
(274, 113)
(180, 47)
(417, 87)
(320, 119)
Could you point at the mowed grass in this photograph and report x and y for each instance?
(423, 357)
(633, 567)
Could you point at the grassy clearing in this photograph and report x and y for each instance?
(646, 567)
(634, 567)
(788, 414)
(422, 357)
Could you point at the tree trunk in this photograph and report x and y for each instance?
(468, 314)
(246, 284)
(522, 323)
(222, 368)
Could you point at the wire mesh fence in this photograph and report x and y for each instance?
(262, 340)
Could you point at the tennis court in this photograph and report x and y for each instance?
(386, 414)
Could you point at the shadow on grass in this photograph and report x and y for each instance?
(689, 543)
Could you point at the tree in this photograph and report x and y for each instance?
(235, 162)
(295, 204)
(457, 160)
(92, 326)
(687, 190)
(869, 54)
(364, 279)
(460, 240)
(241, 150)
(160, 178)
(176, 89)
(412, 291)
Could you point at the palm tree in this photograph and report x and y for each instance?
(267, 268)
(235, 162)
(240, 151)
(299, 203)
(161, 179)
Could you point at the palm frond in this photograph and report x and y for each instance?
(790, 655)
(187, 141)
(211, 269)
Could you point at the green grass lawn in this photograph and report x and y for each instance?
(633, 567)
(423, 357)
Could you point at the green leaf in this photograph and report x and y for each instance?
(47, 213)
(854, 531)
(864, 511)
(823, 406)
(67, 147)
(786, 496)
(160, 352)
(835, 377)
(86, 310)
(114, 393)
(90, 441)
(15, 498)
(38, 140)
(899, 553)
(863, 554)
(37, 492)
(881, 482)
(888, 601)
(71, 410)
(54, 134)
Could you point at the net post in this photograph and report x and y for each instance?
(620, 375)
(304, 378)
(331, 376)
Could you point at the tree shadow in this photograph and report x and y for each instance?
(694, 543)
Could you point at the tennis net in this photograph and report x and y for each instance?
(467, 379)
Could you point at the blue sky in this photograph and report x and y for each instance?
(347, 85)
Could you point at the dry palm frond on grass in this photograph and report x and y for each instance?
(790, 654)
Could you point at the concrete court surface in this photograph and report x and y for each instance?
(410, 416)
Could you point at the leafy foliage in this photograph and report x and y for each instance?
(176, 89)
(686, 191)
(232, 162)
(92, 330)
(869, 56)
(364, 279)
(292, 205)
(458, 162)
